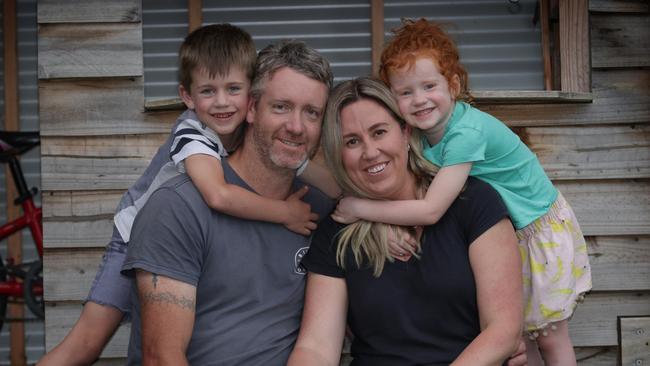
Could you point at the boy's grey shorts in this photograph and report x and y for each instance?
(110, 288)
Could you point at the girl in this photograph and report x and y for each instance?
(422, 67)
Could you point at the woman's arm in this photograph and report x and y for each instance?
(495, 261)
(323, 322)
(442, 192)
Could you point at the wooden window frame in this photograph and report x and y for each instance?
(573, 53)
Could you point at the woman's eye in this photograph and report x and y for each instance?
(351, 142)
(380, 132)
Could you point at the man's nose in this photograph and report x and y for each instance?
(295, 124)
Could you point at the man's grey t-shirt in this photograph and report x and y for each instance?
(250, 285)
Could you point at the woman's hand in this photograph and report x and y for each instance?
(345, 211)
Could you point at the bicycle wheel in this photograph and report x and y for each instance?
(3, 298)
(34, 277)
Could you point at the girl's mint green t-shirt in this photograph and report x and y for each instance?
(498, 158)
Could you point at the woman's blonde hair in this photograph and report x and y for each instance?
(367, 240)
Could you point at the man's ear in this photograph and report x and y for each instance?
(454, 86)
(251, 110)
(186, 97)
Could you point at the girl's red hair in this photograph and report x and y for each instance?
(421, 38)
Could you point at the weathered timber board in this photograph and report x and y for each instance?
(69, 275)
(619, 262)
(634, 336)
(622, 6)
(620, 40)
(98, 107)
(88, 11)
(79, 204)
(598, 152)
(594, 321)
(621, 96)
(596, 356)
(94, 232)
(116, 146)
(82, 50)
(603, 208)
(612, 207)
(62, 316)
(64, 173)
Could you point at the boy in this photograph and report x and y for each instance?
(216, 64)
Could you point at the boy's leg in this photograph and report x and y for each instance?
(88, 337)
(107, 304)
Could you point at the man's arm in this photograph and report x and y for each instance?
(167, 309)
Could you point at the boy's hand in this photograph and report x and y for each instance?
(300, 219)
(401, 244)
(344, 212)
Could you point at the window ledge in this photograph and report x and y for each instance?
(531, 96)
(481, 96)
(163, 104)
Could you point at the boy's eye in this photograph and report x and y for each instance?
(206, 92)
(404, 93)
(429, 86)
(234, 89)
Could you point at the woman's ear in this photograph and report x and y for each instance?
(454, 86)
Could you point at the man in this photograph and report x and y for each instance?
(216, 289)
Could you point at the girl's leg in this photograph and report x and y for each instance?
(85, 342)
(556, 347)
(532, 353)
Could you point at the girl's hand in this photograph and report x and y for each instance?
(345, 210)
(401, 244)
(300, 220)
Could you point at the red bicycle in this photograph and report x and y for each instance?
(13, 144)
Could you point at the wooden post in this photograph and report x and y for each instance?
(377, 33)
(634, 340)
(14, 244)
(574, 46)
(194, 14)
(546, 44)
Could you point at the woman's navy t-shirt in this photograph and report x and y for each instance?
(420, 312)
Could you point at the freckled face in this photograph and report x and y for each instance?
(375, 151)
(425, 98)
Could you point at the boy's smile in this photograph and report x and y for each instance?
(220, 102)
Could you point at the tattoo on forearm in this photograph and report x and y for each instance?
(169, 298)
(154, 280)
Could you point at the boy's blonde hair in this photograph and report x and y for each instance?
(216, 49)
(422, 38)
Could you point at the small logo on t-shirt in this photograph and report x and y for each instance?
(297, 259)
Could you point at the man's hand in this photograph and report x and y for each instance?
(300, 220)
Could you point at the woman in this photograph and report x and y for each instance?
(458, 302)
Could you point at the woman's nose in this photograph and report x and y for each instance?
(370, 151)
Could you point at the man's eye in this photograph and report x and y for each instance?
(280, 107)
(313, 113)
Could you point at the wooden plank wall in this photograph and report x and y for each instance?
(97, 140)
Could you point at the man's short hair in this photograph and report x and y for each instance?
(216, 49)
(295, 55)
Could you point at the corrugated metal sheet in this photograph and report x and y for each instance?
(28, 109)
(498, 42)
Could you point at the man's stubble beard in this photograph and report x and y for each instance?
(268, 158)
